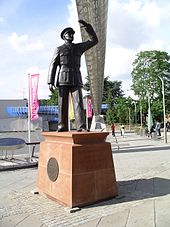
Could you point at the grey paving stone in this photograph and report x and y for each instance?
(143, 174)
(142, 215)
(162, 211)
(13, 220)
(117, 219)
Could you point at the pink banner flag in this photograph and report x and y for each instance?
(33, 96)
(89, 108)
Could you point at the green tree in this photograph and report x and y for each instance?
(53, 99)
(122, 110)
(112, 87)
(111, 113)
(148, 70)
(119, 109)
(156, 109)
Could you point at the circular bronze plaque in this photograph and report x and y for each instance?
(52, 169)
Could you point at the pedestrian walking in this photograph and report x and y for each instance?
(113, 129)
(158, 128)
(122, 130)
(152, 131)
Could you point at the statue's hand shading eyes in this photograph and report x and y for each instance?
(84, 23)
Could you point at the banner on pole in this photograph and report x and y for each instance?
(33, 94)
(89, 107)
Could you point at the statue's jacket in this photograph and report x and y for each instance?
(66, 61)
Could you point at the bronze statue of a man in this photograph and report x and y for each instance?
(66, 59)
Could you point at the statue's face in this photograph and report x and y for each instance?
(69, 36)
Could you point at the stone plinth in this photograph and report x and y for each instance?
(76, 168)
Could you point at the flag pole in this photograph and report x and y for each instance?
(87, 113)
(29, 116)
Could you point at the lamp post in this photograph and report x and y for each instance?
(150, 121)
(134, 102)
(129, 119)
(164, 111)
(141, 121)
(135, 114)
(163, 99)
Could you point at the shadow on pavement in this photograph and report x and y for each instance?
(135, 190)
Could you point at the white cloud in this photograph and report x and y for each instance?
(141, 10)
(151, 13)
(1, 20)
(117, 62)
(73, 20)
(23, 43)
(43, 91)
(135, 22)
(133, 26)
(22, 83)
(155, 45)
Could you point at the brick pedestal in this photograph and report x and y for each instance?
(76, 168)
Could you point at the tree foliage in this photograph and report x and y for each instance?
(120, 110)
(112, 93)
(110, 114)
(112, 88)
(149, 67)
(53, 99)
(149, 70)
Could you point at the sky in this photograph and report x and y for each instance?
(30, 31)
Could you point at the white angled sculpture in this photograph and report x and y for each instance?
(95, 12)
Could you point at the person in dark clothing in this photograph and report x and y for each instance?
(67, 58)
(158, 128)
(168, 126)
(113, 129)
(152, 131)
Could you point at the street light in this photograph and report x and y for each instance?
(128, 102)
(140, 106)
(163, 97)
(134, 102)
(150, 121)
(129, 119)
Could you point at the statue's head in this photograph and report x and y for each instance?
(67, 31)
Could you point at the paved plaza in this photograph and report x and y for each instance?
(142, 169)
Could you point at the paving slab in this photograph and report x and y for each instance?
(21, 220)
(143, 176)
(162, 211)
(142, 215)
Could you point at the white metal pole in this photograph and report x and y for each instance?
(149, 113)
(29, 116)
(135, 115)
(129, 120)
(86, 112)
(141, 123)
(164, 111)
